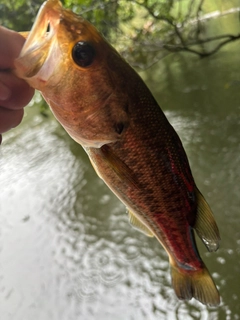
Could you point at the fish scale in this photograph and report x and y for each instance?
(105, 106)
(159, 189)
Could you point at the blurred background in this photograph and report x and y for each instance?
(67, 251)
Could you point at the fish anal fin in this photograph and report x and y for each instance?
(205, 224)
(196, 284)
(138, 225)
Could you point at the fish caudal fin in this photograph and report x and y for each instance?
(205, 224)
(196, 284)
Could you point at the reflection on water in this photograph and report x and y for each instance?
(66, 248)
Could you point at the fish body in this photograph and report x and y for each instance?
(105, 106)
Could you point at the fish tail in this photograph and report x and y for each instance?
(196, 284)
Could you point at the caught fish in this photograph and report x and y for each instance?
(105, 106)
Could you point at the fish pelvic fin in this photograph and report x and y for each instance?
(24, 34)
(139, 225)
(196, 284)
(205, 224)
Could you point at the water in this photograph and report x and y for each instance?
(67, 251)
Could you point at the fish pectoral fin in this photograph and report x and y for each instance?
(138, 225)
(205, 224)
(119, 167)
(95, 168)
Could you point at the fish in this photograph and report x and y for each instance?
(105, 106)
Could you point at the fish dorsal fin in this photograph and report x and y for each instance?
(137, 224)
(205, 224)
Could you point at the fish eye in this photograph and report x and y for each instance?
(83, 54)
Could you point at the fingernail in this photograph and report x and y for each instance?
(4, 92)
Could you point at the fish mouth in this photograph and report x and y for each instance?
(40, 52)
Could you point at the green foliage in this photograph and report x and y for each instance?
(18, 15)
(163, 27)
(103, 14)
(143, 30)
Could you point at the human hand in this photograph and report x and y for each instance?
(15, 93)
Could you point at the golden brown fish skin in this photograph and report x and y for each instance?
(161, 189)
(91, 104)
(108, 109)
(164, 187)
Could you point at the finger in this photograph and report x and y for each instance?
(9, 118)
(13, 43)
(5, 93)
(20, 93)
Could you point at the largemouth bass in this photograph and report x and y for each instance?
(105, 106)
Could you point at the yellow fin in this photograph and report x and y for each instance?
(24, 34)
(95, 168)
(119, 167)
(137, 224)
(205, 224)
(196, 284)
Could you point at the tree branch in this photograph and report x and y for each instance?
(201, 53)
(165, 19)
(199, 9)
(190, 8)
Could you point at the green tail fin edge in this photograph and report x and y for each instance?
(205, 224)
(196, 284)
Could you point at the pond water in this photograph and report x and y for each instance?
(67, 251)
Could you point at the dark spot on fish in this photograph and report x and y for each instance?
(126, 107)
(119, 127)
(149, 199)
(191, 196)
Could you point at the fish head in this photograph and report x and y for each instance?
(78, 73)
